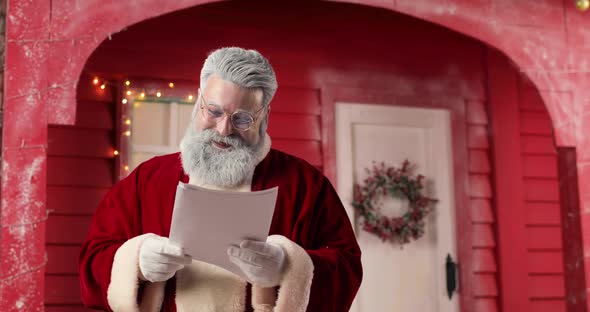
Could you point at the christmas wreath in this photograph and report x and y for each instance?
(384, 180)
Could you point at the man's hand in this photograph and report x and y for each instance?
(261, 262)
(159, 259)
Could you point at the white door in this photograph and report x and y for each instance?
(412, 278)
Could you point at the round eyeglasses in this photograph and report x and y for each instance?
(240, 120)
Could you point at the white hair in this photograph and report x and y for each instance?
(246, 68)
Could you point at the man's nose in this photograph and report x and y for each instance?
(224, 126)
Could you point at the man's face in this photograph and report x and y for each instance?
(219, 100)
(213, 151)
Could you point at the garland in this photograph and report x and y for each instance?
(399, 183)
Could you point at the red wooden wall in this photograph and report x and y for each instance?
(312, 47)
(80, 170)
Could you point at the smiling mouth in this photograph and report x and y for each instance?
(221, 145)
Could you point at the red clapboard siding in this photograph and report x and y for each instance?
(535, 123)
(479, 186)
(479, 161)
(548, 305)
(476, 113)
(481, 210)
(296, 101)
(539, 166)
(530, 100)
(74, 200)
(484, 261)
(477, 137)
(546, 286)
(486, 305)
(62, 259)
(95, 115)
(292, 126)
(483, 235)
(62, 289)
(67, 229)
(545, 262)
(537, 145)
(308, 150)
(80, 142)
(80, 171)
(544, 238)
(485, 285)
(87, 91)
(543, 213)
(541, 190)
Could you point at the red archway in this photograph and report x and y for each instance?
(46, 55)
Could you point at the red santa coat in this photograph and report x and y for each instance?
(323, 270)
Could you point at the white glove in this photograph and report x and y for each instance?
(159, 259)
(261, 262)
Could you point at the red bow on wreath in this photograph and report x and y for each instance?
(395, 182)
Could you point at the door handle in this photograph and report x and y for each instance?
(451, 268)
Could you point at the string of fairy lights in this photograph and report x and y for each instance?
(143, 91)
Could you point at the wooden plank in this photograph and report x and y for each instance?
(80, 171)
(62, 289)
(479, 161)
(546, 286)
(476, 113)
(542, 262)
(477, 137)
(541, 190)
(486, 305)
(291, 126)
(67, 229)
(551, 305)
(539, 213)
(485, 284)
(74, 200)
(484, 261)
(62, 259)
(543, 238)
(535, 123)
(531, 100)
(479, 186)
(95, 115)
(307, 150)
(539, 166)
(537, 144)
(296, 100)
(481, 210)
(62, 141)
(483, 236)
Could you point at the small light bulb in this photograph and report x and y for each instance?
(136, 104)
(190, 97)
(129, 92)
(127, 83)
(124, 101)
(95, 80)
(171, 85)
(142, 95)
(583, 5)
(128, 133)
(116, 152)
(103, 86)
(126, 168)
(128, 121)
(158, 94)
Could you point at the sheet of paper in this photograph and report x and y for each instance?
(206, 222)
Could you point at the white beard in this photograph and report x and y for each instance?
(210, 165)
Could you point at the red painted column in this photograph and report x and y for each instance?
(24, 142)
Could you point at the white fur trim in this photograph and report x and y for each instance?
(124, 285)
(295, 285)
(205, 287)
